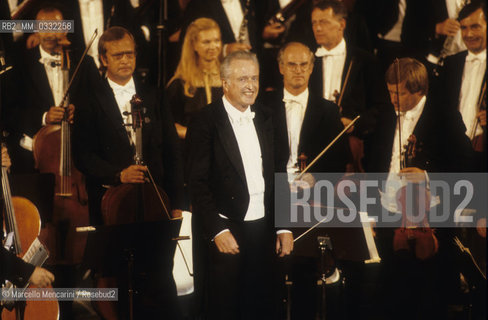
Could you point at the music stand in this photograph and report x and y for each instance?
(136, 244)
(341, 243)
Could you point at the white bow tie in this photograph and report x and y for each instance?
(291, 102)
(470, 58)
(118, 91)
(322, 52)
(53, 61)
(243, 119)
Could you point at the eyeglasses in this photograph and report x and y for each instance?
(120, 55)
(298, 66)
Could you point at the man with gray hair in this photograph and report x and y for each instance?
(230, 168)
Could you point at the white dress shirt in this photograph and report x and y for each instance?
(250, 151)
(408, 121)
(233, 11)
(474, 70)
(453, 8)
(91, 12)
(295, 107)
(284, 3)
(55, 75)
(332, 67)
(57, 79)
(395, 33)
(123, 95)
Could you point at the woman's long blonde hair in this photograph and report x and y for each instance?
(188, 69)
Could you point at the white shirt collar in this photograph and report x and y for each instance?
(46, 56)
(338, 50)
(236, 115)
(301, 98)
(129, 87)
(480, 56)
(416, 111)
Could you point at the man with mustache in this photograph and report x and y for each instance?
(464, 75)
(231, 173)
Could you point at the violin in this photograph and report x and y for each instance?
(22, 226)
(412, 199)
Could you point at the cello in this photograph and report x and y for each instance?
(23, 226)
(52, 154)
(131, 203)
(147, 200)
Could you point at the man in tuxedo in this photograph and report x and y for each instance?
(45, 82)
(104, 149)
(231, 173)
(304, 123)
(463, 76)
(422, 265)
(365, 92)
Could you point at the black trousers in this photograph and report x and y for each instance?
(241, 286)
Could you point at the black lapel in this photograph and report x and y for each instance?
(280, 118)
(264, 131)
(228, 139)
(349, 59)
(109, 105)
(458, 77)
(39, 77)
(224, 24)
(310, 121)
(108, 13)
(317, 78)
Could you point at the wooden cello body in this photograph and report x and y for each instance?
(52, 154)
(131, 203)
(24, 223)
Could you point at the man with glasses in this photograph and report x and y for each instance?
(104, 151)
(304, 123)
(364, 93)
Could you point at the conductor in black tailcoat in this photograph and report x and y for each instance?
(230, 168)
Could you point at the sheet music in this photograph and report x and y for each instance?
(367, 223)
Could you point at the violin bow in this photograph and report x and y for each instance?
(346, 81)
(65, 96)
(397, 74)
(326, 148)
